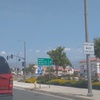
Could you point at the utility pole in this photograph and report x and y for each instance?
(16, 62)
(24, 60)
(87, 55)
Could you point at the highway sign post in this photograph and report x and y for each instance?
(40, 73)
(45, 62)
(88, 54)
(39, 70)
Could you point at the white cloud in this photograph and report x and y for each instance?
(37, 51)
(48, 50)
(67, 49)
(76, 54)
(2, 52)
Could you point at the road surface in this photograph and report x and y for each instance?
(21, 94)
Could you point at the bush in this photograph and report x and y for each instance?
(81, 84)
(31, 80)
(57, 81)
(62, 82)
(45, 78)
(73, 83)
(96, 85)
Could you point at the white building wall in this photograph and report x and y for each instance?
(95, 68)
(98, 68)
(71, 71)
(81, 69)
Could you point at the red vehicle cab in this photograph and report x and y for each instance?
(6, 80)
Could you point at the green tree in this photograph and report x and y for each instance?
(30, 69)
(59, 58)
(97, 47)
(50, 69)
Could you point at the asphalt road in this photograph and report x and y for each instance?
(21, 94)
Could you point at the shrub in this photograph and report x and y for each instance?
(81, 84)
(73, 83)
(45, 78)
(31, 80)
(96, 85)
(62, 82)
(57, 81)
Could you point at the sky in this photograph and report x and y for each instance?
(45, 25)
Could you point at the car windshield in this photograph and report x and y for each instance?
(4, 67)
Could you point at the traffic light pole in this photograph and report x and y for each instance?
(87, 55)
(23, 63)
(24, 60)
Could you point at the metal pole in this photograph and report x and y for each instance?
(99, 72)
(16, 61)
(24, 59)
(49, 76)
(87, 55)
(40, 82)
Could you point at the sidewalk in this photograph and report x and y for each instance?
(79, 92)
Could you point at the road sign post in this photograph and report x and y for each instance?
(87, 55)
(88, 48)
(45, 62)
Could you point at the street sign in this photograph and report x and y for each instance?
(44, 61)
(88, 48)
(39, 70)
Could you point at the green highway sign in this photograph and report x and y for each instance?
(44, 61)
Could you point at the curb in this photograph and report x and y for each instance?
(72, 96)
(66, 95)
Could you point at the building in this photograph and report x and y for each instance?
(95, 67)
(77, 72)
(67, 71)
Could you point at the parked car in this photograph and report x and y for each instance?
(6, 80)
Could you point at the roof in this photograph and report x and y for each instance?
(76, 70)
(60, 68)
(91, 60)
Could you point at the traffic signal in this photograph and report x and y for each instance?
(23, 64)
(19, 59)
(11, 56)
(7, 57)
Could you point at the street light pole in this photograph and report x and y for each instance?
(24, 59)
(16, 62)
(24, 63)
(87, 55)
